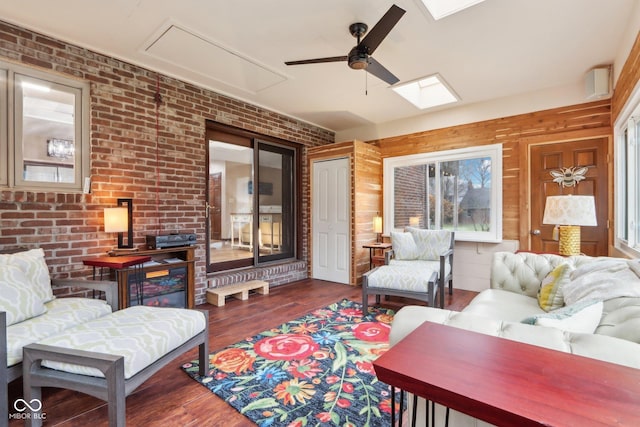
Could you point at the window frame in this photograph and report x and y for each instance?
(5, 152)
(493, 151)
(11, 115)
(626, 134)
(254, 140)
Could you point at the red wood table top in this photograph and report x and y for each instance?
(510, 383)
(116, 262)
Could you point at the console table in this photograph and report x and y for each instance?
(152, 277)
(509, 383)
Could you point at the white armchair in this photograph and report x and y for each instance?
(418, 266)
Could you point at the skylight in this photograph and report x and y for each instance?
(441, 8)
(427, 92)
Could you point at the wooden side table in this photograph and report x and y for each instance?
(382, 247)
(118, 264)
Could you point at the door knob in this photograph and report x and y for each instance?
(535, 232)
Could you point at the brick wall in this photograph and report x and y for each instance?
(153, 153)
(410, 186)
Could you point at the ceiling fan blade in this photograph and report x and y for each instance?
(375, 36)
(378, 70)
(318, 60)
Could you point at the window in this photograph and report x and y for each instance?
(459, 190)
(45, 130)
(627, 163)
(251, 200)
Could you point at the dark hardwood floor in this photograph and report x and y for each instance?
(171, 398)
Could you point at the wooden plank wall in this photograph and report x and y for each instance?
(366, 197)
(627, 81)
(593, 117)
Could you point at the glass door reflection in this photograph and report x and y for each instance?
(230, 202)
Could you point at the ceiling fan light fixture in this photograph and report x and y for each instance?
(358, 60)
(358, 64)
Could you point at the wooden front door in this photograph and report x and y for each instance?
(546, 158)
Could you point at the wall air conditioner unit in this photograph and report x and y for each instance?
(598, 83)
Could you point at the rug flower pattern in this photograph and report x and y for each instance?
(313, 371)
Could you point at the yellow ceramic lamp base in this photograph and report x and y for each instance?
(569, 240)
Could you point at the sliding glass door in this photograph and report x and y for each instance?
(251, 205)
(275, 202)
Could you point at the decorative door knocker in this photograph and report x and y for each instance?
(569, 177)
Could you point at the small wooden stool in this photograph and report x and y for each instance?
(216, 296)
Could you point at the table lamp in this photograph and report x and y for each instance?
(569, 213)
(377, 227)
(119, 220)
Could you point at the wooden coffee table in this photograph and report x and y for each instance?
(508, 383)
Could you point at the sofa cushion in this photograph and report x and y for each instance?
(141, 334)
(34, 266)
(61, 314)
(404, 246)
(503, 305)
(582, 317)
(621, 319)
(401, 277)
(430, 244)
(430, 265)
(17, 296)
(550, 295)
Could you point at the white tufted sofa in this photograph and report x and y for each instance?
(498, 311)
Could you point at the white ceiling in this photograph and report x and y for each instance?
(497, 49)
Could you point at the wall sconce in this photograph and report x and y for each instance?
(377, 227)
(120, 220)
(570, 212)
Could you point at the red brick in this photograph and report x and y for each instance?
(132, 156)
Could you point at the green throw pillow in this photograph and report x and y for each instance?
(550, 293)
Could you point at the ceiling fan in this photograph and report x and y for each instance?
(359, 58)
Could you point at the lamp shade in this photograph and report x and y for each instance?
(414, 221)
(570, 210)
(116, 220)
(377, 224)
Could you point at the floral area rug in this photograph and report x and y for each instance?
(313, 371)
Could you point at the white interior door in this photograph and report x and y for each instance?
(331, 215)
